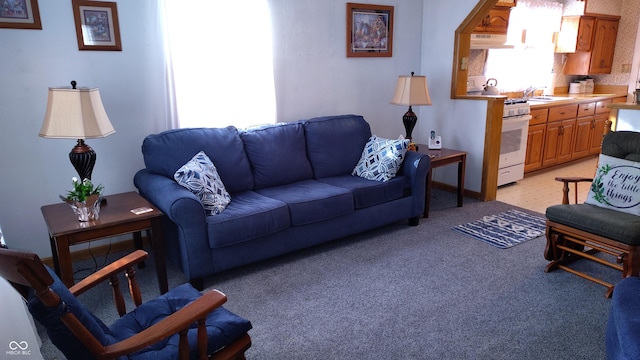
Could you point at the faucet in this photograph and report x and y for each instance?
(530, 91)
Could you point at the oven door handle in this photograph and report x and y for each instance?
(516, 119)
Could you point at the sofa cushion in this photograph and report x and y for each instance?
(223, 327)
(166, 152)
(277, 154)
(310, 201)
(200, 176)
(368, 193)
(248, 216)
(381, 158)
(611, 224)
(335, 143)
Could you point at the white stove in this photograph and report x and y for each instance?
(513, 141)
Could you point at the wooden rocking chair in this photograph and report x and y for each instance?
(582, 231)
(186, 323)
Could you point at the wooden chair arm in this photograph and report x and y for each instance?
(565, 188)
(106, 272)
(172, 324)
(573, 179)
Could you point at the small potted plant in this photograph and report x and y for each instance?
(84, 199)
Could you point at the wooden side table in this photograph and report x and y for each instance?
(440, 158)
(115, 219)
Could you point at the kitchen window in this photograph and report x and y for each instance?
(532, 25)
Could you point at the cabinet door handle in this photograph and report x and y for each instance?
(561, 130)
(593, 124)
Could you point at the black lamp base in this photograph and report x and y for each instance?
(409, 120)
(83, 159)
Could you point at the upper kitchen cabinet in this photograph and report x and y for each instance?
(496, 22)
(507, 3)
(576, 33)
(594, 47)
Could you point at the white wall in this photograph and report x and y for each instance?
(461, 123)
(35, 170)
(313, 78)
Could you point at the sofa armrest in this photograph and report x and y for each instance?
(623, 326)
(415, 167)
(184, 209)
(176, 201)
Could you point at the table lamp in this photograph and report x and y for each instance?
(77, 113)
(411, 90)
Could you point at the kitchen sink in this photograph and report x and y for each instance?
(546, 98)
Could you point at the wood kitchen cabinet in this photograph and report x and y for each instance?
(535, 147)
(508, 3)
(558, 144)
(559, 134)
(585, 127)
(600, 119)
(599, 123)
(599, 58)
(576, 33)
(535, 139)
(496, 22)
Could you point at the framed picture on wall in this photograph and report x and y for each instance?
(20, 14)
(97, 25)
(369, 30)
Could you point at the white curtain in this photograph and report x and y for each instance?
(529, 63)
(220, 63)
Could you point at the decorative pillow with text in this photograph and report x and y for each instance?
(381, 158)
(200, 176)
(616, 185)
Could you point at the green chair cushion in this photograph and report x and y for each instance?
(611, 224)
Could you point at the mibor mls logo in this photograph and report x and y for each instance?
(18, 348)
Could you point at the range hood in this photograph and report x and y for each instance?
(489, 41)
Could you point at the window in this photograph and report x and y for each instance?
(220, 62)
(529, 63)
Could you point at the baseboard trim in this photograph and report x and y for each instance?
(101, 250)
(454, 189)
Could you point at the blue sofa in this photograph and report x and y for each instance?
(623, 327)
(291, 188)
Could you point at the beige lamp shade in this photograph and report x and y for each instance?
(411, 90)
(75, 114)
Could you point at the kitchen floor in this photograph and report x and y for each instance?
(540, 190)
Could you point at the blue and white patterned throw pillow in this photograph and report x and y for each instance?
(200, 176)
(381, 158)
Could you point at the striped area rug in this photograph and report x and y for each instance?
(505, 230)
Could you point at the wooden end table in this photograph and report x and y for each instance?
(440, 158)
(115, 219)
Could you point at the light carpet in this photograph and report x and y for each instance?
(504, 230)
(404, 292)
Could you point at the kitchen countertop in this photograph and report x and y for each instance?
(567, 99)
(626, 106)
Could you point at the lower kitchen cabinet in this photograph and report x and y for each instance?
(561, 133)
(595, 146)
(584, 133)
(535, 147)
(558, 142)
